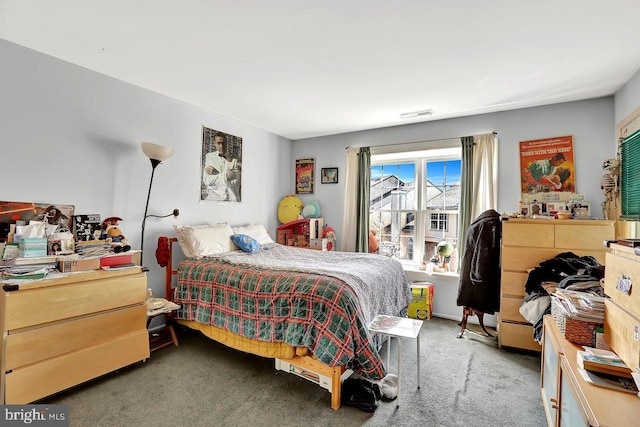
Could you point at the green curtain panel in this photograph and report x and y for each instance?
(466, 192)
(364, 184)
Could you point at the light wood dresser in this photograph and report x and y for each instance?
(60, 332)
(622, 309)
(527, 242)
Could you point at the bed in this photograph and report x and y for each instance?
(307, 309)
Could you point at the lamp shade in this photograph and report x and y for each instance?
(156, 152)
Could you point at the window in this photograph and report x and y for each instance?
(414, 201)
(630, 170)
(438, 221)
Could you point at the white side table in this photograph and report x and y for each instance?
(398, 327)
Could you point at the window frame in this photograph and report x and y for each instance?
(443, 218)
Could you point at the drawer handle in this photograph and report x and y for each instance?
(624, 284)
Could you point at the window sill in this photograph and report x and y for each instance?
(413, 271)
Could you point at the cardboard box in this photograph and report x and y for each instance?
(79, 265)
(325, 244)
(421, 305)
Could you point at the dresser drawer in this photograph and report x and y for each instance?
(31, 307)
(42, 379)
(584, 236)
(620, 268)
(512, 284)
(510, 309)
(621, 330)
(522, 259)
(517, 335)
(528, 235)
(38, 344)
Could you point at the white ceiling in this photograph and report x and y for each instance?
(303, 68)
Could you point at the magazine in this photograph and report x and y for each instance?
(613, 382)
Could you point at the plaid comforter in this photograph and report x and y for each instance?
(319, 312)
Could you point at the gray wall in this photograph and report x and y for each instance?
(590, 122)
(627, 98)
(72, 136)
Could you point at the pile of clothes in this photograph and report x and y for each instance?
(564, 271)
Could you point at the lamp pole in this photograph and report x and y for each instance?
(154, 164)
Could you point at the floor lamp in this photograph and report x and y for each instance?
(157, 154)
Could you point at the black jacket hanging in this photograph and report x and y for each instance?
(479, 286)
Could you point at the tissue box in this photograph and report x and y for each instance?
(30, 247)
(421, 305)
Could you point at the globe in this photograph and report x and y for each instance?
(444, 249)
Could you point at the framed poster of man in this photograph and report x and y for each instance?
(221, 166)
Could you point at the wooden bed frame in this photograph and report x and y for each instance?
(307, 367)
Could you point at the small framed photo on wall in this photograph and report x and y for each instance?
(329, 176)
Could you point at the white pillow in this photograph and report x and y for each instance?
(257, 231)
(205, 240)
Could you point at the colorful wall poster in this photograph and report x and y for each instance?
(547, 165)
(304, 176)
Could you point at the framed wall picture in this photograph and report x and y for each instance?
(329, 176)
(304, 176)
(221, 166)
(547, 166)
(580, 209)
(536, 209)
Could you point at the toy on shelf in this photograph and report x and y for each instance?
(290, 209)
(311, 209)
(113, 235)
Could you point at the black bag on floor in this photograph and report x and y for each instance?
(360, 393)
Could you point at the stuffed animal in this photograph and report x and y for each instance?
(311, 209)
(290, 209)
(328, 232)
(112, 234)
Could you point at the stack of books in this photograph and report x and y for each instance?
(117, 261)
(604, 368)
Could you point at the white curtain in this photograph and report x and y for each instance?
(485, 174)
(350, 213)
